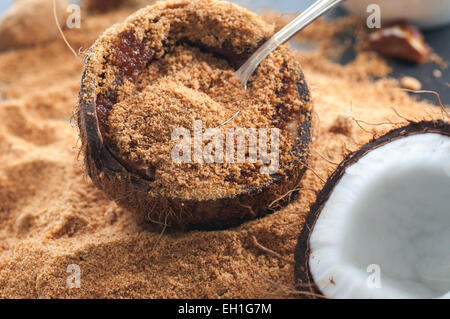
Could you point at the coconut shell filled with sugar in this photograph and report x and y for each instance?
(157, 95)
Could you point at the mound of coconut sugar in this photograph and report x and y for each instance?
(51, 216)
(188, 85)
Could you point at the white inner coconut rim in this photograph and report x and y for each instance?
(385, 230)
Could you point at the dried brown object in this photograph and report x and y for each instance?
(29, 22)
(114, 72)
(403, 41)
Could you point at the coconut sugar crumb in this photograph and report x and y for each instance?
(51, 216)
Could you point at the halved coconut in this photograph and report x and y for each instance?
(380, 228)
(129, 49)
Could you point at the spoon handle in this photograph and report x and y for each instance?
(305, 18)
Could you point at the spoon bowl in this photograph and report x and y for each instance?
(305, 18)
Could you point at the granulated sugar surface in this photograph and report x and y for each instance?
(51, 216)
(188, 85)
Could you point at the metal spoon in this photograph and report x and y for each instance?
(305, 18)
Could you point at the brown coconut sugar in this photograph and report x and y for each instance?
(51, 215)
(188, 85)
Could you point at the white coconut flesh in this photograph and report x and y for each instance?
(385, 230)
